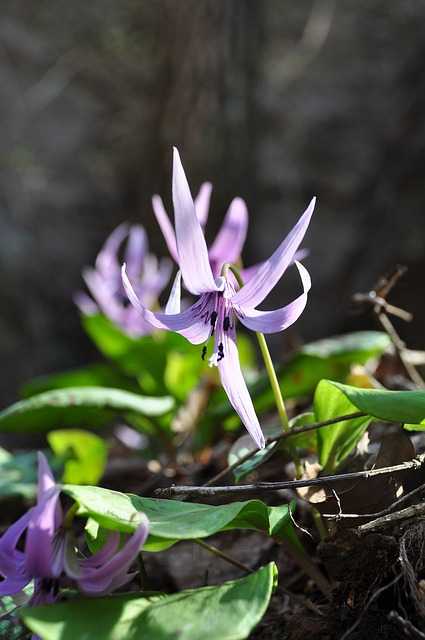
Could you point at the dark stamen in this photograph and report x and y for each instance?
(226, 323)
(204, 352)
(220, 354)
(213, 318)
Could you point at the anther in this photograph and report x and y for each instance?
(226, 323)
(204, 352)
(213, 318)
(220, 354)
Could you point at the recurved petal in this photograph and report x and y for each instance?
(236, 389)
(227, 247)
(113, 570)
(11, 559)
(191, 246)
(166, 226)
(279, 319)
(270, 271)
(188, 322)
(107, 260)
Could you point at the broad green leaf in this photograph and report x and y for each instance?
(391, 406)
(227, 612)
(111, 509)
(93, 375)
(84, 454)
(337, 440)
(172, 520)
(78, 406)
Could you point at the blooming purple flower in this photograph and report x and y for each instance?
(49, 556)
(105, 283)
(219, 306)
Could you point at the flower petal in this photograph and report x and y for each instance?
(113, 571)
(106, 261)
(166, 226)
(46, 479)
(236, 389)
(191, 246)
(42, 526)
(279, 319)
(228, 244)
(12, 561)
(202, 203)
(174, 301)
(136, 249)
(191, 322)
(265, 278)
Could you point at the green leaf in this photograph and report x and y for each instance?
(86, 406)
(391, 406)
(244, 445)
(93, 375)
(18, 474)
(229, 611)
(337, 440)
(111, 509)
(144, 358)
(11, 627)
(84, 453)
(171, 521)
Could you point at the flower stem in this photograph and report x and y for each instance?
(278, 399)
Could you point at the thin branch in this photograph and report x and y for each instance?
(282, 436)
(416, 463)
(395, 506)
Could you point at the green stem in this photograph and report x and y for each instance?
(222, 555)
(278, 399)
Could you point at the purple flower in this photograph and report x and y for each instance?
(219, 306)
(228, 244)
(105, 283)
(49, 555)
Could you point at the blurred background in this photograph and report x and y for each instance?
(271, 100)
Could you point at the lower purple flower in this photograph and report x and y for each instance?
(49, 555)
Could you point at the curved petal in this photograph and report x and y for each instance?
(192, 323)
(270, 271)
(279, 319)
(113, 571)
(191, 246)
(202, 203)
(166, 226)
(236, 389)
(13, 585)
(228, 244)
(12, 561)
(107, 260)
